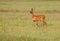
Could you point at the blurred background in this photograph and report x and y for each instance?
(16, 21)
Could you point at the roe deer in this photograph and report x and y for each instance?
(36, 18)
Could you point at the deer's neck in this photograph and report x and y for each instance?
(33, 15)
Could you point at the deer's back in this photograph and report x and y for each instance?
(38, 17)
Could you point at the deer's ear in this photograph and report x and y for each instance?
(31, 8)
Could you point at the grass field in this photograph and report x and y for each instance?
(17, 26)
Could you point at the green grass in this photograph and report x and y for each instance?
(25, 6)
(17, 26)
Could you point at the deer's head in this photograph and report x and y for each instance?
(31, 11)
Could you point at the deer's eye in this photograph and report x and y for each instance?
(30, 11)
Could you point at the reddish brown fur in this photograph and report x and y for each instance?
(36, 18)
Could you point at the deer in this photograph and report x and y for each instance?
(36, 18)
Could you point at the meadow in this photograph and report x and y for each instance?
(16, 22)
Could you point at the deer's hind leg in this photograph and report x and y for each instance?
(43, 22)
